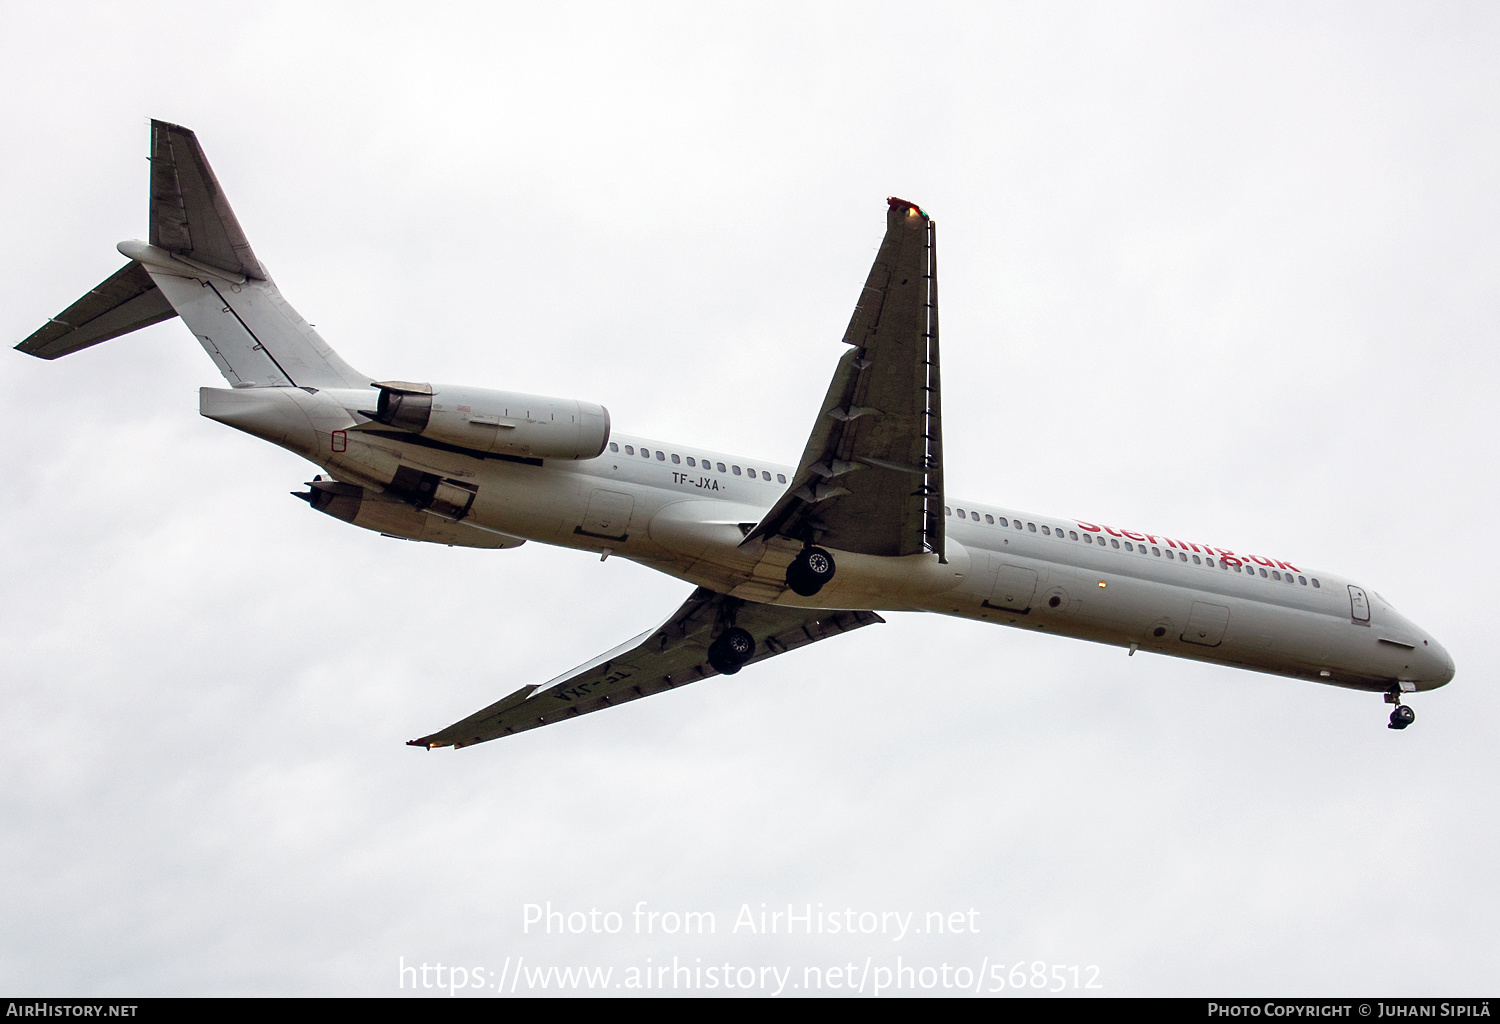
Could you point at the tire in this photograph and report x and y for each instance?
(731, 650)
(1402, 717)
(810, 571)
(720, 666)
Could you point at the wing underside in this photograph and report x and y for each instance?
(871, 477)
(672, 655)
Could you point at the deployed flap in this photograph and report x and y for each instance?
(125, 301)
(189, 214)
(672, 655)
(871, 477)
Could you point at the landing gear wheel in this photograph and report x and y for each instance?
(810, 571)
(1401, 717)
(731, 650)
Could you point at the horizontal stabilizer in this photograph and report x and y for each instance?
(125, 301)
(190, 215)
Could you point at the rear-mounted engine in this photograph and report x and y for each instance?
(397, 512)
(499, 422)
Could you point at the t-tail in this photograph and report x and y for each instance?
(198, 265)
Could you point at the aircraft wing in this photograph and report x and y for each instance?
(672, 655)
(871, 477)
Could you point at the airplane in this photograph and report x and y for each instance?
(781, 555)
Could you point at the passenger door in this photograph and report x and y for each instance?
(1359, 606)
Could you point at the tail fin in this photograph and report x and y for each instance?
(199, 265)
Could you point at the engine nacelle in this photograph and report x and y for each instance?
(394, 517)
(502, 422)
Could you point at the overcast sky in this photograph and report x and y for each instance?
(1226, 271)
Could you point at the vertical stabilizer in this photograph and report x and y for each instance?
(199, 265)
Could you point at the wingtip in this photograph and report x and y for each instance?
(158, 124)
(419, 743)
(906, 204)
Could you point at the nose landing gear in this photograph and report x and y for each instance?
(1401, 715)
(731, 650)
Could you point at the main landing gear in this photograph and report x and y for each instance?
(731, 650)
(1401, 715)
(810, 571)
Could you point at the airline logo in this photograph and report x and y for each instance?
(1223, 554)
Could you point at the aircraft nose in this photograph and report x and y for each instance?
(1439, 668)
(1445, 661)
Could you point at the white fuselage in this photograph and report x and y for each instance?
(686, 510)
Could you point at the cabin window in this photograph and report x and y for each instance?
(660, 457)
(1088, 538)
(947, 511)
(1316, 583)
(629, 450)
(1156, 551)
(721, 468)
(1275, 575)
(613, 446)
(989, 519)
(1114, 543)
(1004, 521)
(645, 453)
(1262, 574)
(1031, 527)
(1072, 534)
(1302, 580)
(736, 470)
(750, 473)
(962, 514)
(676, 459)
(691, 462)
(1046, 531)
(1197, 560)
(780, 478)
(764, 475)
